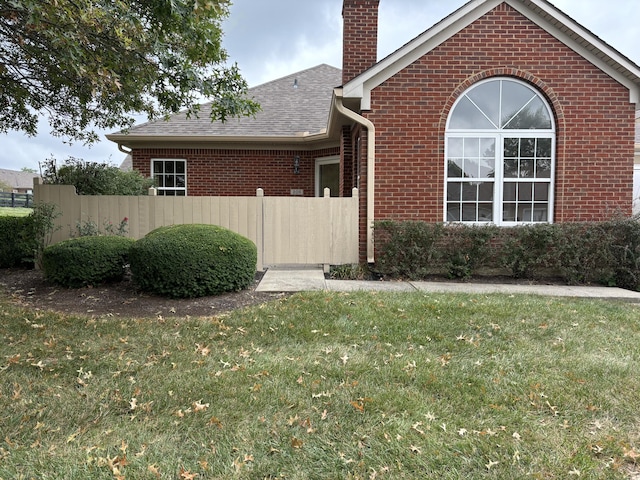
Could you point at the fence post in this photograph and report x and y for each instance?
(327, 192)
(260, 228)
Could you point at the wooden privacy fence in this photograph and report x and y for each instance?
(286, 230)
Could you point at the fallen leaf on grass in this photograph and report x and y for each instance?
(187, 475)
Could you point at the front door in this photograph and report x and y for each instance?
(328, 176)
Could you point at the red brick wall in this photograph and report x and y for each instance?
(359, 36)
(240, 172)
(594, 120)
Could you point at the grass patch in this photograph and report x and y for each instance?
(326, 385)
(15, 212)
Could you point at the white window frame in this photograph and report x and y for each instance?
(162, 190)
(499, 135)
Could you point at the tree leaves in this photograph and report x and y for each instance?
(88, 63)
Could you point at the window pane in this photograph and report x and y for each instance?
(168, 181)
(169, 167)
(454, 169)
(469, 212)
(526, 168)
(509, 212)
(160, 180)
(525, 192)
(180, 167)
(472, 168)
(484, 96)
(543, 168)
(510, 192)
(527, 147)
(511, 168)
(485, 212)
(511, 147)
(454, 191)
(541, 192)
(469, 192)
(534, 115)
(540, 212)
(488, 147)
(157, 167)
(466, 116)
(456, 147)
(180, 181)
(514, 97)
(453, 212)
(543, 148)
(471, 147)
(485, 192)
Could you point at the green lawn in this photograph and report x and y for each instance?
(326, 386)
(14, 212)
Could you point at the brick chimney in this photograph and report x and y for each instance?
(360, 37)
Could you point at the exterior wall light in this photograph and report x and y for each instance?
(296, 165)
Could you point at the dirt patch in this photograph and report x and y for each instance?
(28, 288)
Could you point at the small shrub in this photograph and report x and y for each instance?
(14, 249)
(186, 261)
(86, 260)
(407, 249)
(465, 248)
(625, 251)
(527, 251)
(583, 254)
(349, 272)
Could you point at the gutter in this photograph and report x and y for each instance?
(371, 160)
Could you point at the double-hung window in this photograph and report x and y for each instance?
(170, 176)
(499, 155)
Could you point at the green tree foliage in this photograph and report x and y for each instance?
(92, 178)
(91, 63)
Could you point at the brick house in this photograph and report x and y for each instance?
(506, 111)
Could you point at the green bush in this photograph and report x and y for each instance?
(86, 260)
(407, 249)
(527, 251)
(92, 178)
(607, 253)
(466, 248)
(187, 261)
(15, 249)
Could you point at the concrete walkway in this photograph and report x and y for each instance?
(312, 279)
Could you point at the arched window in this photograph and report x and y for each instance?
(500, 155)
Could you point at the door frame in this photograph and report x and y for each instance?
(320, 162)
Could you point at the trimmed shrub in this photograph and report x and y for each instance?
(86, 261)
(465, 248)
(607, 253)
(15, 248)
(187, 261)
(407, 249)
(527, 251)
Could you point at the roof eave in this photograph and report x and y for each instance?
(302, 139)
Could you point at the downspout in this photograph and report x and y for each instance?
(371, 160)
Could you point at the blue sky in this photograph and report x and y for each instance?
(273, 38)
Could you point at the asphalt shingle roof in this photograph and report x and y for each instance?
(291, 105)
(17, 179)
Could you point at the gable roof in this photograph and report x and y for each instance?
(541, 12)
(17, 179)
(291, 107)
